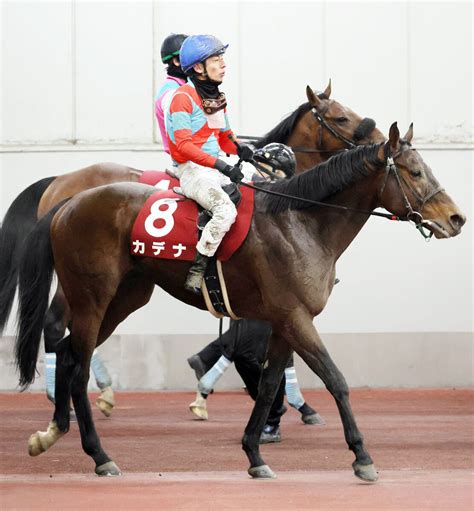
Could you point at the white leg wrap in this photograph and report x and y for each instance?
(292, 389)
(209, 380)
(41, 441)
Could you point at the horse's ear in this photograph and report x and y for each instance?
(394, 136)
(409, 134)
(327, 92)
(312, 97)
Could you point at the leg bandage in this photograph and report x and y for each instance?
(292, 389)
(50, 363)
(208, 381)
(101, 374)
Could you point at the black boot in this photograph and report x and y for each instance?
(196, 363)
(196, 274)
(270, 434)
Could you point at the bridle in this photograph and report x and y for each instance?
(323, 124)
(319, 117)
(413, 216)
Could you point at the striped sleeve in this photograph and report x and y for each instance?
(181, 109)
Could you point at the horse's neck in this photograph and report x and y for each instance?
(336, 228)
(306, 135)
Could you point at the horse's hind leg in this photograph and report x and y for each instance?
(56, 321)
(277, 357)
(306, 342)
(41, 441)
(83, 346)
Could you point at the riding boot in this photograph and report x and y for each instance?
(196, 274)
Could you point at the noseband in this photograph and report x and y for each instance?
(413, 216)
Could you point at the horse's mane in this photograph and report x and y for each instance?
(324, 180)
(282, 131)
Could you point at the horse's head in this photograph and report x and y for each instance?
(337, 126)
(411, 190)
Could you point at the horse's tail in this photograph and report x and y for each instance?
(19, 220)
(34, 282)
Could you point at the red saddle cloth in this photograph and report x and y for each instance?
(166, 226)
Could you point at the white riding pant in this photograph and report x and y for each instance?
(204, 185)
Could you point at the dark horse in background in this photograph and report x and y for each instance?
(283, 273)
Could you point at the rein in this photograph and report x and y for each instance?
(390, 167)
(325, 204)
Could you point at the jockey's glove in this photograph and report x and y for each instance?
(245, 151)
(234, 173)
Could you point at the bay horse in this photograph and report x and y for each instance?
(316, 130)
(291, 240)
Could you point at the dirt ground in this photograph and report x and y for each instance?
(421, 442)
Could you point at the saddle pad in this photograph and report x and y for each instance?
(158, 179)
(166, 227)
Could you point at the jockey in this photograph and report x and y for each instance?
(198, 129)
(174, 79)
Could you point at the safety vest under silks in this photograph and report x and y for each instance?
(192, 134)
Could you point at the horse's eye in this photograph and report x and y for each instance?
(341, 119)
(416, 173)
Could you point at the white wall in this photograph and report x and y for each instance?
(78, 81)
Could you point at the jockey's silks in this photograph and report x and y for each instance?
(171, 84)
(190, 137)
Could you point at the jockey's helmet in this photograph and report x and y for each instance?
(171, 46)
(278, 156)
(197, 48)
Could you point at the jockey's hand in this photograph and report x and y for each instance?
(233, 173)
(245, 151)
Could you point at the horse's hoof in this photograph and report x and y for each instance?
(199, 412)
(199, 408)
(261, 472)
(34, 445)
(106, 402)
(104, 407)
(313, 419)
(108, 469)
(365, 472)
(41, 441)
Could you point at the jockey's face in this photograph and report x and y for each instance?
(214, 66)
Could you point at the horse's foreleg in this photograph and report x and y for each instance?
(273, 369)
(307, 343)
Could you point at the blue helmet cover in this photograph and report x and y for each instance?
(197, 48)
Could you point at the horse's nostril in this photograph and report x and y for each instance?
(458, 220)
